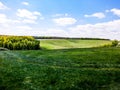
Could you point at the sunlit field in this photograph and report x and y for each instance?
(59, 44)
(71, 43)
(61, 69)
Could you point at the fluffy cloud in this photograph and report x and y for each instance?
(25, 3)
(97, 15)
(116, 11)
(2, 6)
(28, 21)
(60, 15)
(3, 18)
(24, 13)
(13, 29)
(23, 27)
(27, 16)
(5, 21)
(56, 32)
(64, 21)
(110, 30)
(12, 26)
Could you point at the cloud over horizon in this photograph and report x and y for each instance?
(115, 11)
(97, 15)
(24, 13)
(110, 30)
(25, 3)
(64, 21)
(24, 20)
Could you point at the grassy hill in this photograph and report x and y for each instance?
(65, 69)
(71, 43)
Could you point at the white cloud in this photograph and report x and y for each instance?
(3, 18)
(24, 13)
(28, 21)
(37, 13)
(16, 30)
(60, 15)
(110, 30)
(25, 3)
(2, 6)
(29, 17)
(97, 15)
(5, 21)
(116, 11)
(55, 32)
(13, 26)
(23, 27)
(107, 11)
(65, 21)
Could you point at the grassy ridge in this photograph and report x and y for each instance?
(67, 69)
(72, 43)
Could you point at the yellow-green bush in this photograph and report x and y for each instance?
(19, 42)
(115, 43)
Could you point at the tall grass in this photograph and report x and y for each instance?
(67, 69)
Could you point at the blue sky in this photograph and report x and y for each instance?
(66, 18)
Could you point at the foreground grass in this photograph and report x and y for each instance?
(71, 43)
(67, 69)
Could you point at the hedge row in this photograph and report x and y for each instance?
(47, 37)
(19, 42)
(115, 43)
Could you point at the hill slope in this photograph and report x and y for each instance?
(71, 43)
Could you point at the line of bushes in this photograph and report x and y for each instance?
(115, 43)
(50, 37)
(19, 42)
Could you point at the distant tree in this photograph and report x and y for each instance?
(115, 43)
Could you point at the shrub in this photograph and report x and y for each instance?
(19, 42)
(115, 43)
(118, 44)
(106, 45)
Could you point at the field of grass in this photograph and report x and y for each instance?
(71, 43)
(60, 69)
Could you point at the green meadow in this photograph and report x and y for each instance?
(62, 65)
(71, 43)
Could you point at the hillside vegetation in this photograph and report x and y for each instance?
(19, 42)
(69, 69)
(62, 64)
(72, 43)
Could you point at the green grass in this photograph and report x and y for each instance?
(65, 69)
(70, 43)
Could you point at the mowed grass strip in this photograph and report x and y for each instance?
(65, 69)
(71, 43)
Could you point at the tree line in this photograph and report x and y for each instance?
(19, 42)
(50, 37)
